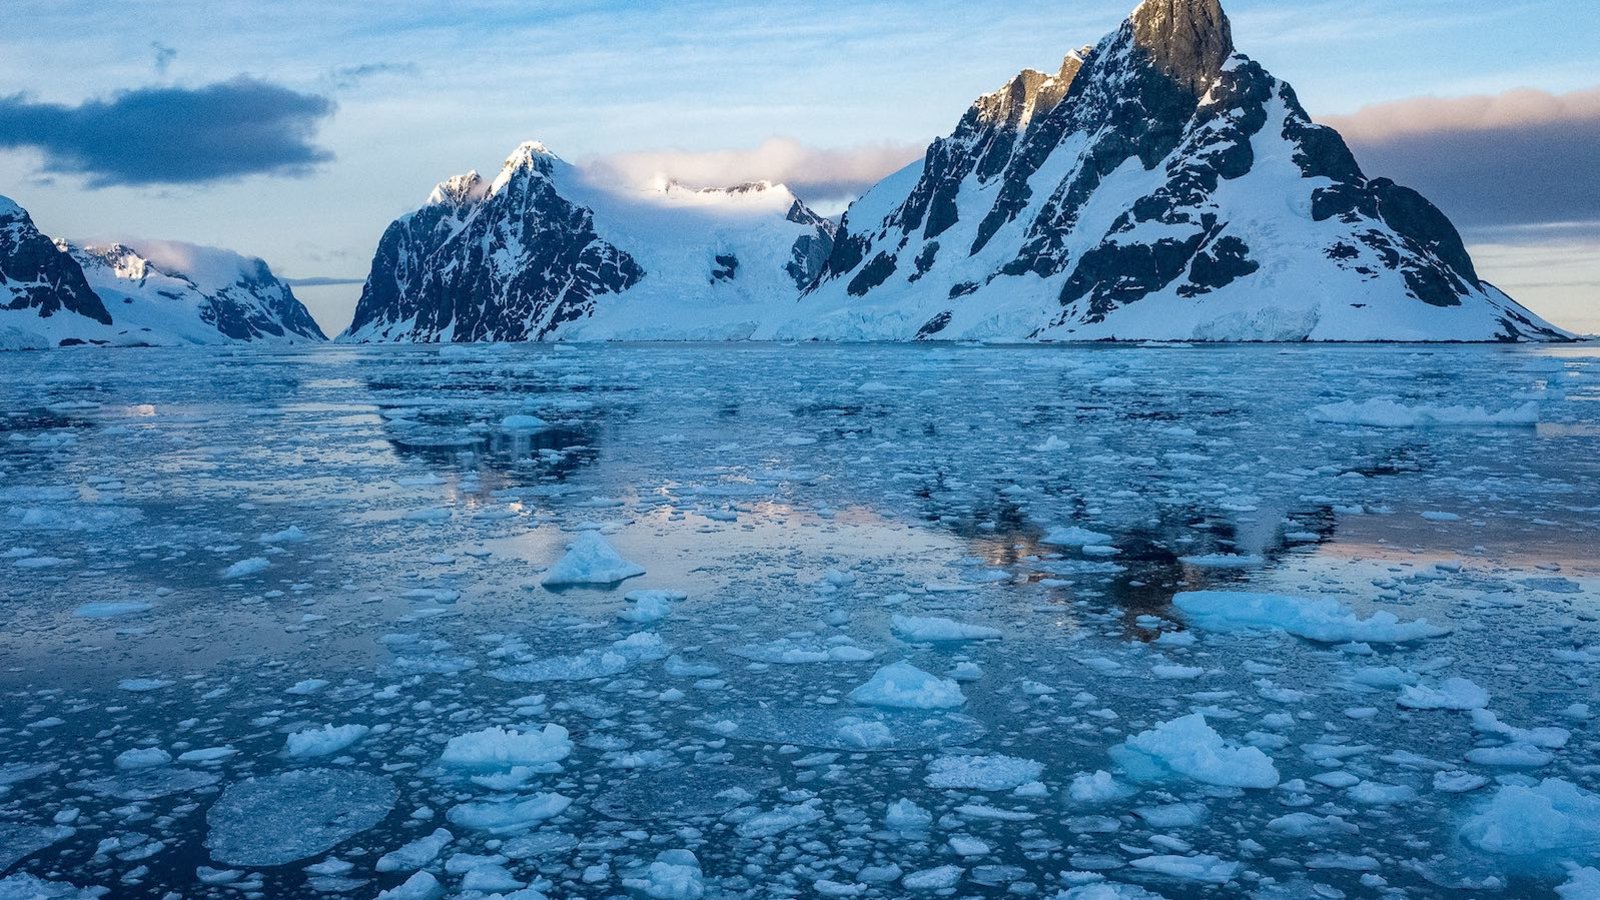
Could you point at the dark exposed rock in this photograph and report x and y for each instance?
(433, 273)
(37, 275)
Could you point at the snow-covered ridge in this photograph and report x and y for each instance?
(56, 293)
(550, 250)
(1159, 186)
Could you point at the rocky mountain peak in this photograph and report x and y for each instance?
(458, 191)
(1188, 40)
(1031, 94)
(529, 157)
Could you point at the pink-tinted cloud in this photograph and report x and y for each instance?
(1521, 157)
(814, 174)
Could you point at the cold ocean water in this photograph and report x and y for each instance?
(1269, 621)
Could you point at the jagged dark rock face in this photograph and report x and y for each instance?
(812, 250)
(1159, 171)
(36, 275)
(513, 265)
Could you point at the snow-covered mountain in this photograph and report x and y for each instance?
(545, 250)
(55, 293)
(1159, 186)
(185, 293)
(44, 298)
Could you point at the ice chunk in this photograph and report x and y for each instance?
(792, 651)
(1383, 412)
(937, 630)
(982, 773)
(247, 567)
(1191, 748)
(594, 663)
(498, 749)
(324, 741)
(23, 886)
(1073, 536)
(277, 819)
(1201, 867)
(1584, 884)
(904, 686)
(650, 606)
(938, 879)
(18, 841)
(1098, 787)
(522, 422)
(416, 854)
(590, 561)
(1520, 821)
(508, 814)
(675, 875)
(1451, 693)
(421, 886)
(1325, 620)
(776, 821)
(907, 817)
(111, 609)
(142, 758)
(148, 784)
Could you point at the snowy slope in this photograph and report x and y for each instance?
(1175, 191)
(53, 293)
(181, 293)
(44, 298)
(543, 250)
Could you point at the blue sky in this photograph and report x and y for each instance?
(397, 95)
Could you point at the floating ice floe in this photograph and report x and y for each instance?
(776, 821)
(856, 730)
(590, 561)
(1074, 536)
(1554, 815)
(983, 773)
(111, 609)
(1451, 693)
(801, 649)
(277, 819)
(1386, 413)
(1324, 620)
(522, 422)
(23, 886)
(1190, 747)
(1201, 867)
(650, 606)
(149, 784)
(507, 814)
(497, 749)
(601, 662)
(904, 686)
(674, 875)
(18, 841)
(247, 567)
(417, 854)
(324, 741)
(932, 629)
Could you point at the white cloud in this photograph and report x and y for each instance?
(813, 173)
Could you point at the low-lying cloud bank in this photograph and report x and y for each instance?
(1523, 157)
(172, 135)
(816, 175)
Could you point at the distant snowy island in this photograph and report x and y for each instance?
(1158, 186)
